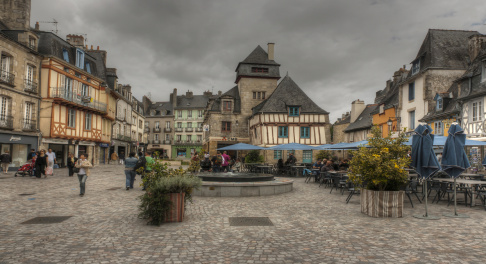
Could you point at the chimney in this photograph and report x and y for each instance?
(208, 93)
(37, 27)
(357, 108)
(271, 47)
(220, 93)
(173, 98)
(189, 94)
(475, 45)
(98, 48)
(75, 40)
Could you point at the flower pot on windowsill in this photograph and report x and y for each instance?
(382, 203)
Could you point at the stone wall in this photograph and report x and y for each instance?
(15, 13)
(338, 133)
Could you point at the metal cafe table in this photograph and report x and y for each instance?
(264, 168)
(296, 169)
(465, 182)
(251, 167)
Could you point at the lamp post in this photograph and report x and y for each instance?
(390, 124)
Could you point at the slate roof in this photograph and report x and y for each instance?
(194, 102)
(259, 56)
(161, 109)
(288, 93)
(53, 45)
(450, 106)
(233, 93)
(444, 49)
(343, 121)
(364, 120)
(99, 61)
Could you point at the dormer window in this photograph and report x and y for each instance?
(258, 95)
(294, 111)
(65, 55)
(79, 58)
(382, 109)
(257, 69)
(226, 105)
(415, 66)
(88, 68)
(32, 43)
(440, 103)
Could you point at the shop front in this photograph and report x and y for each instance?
(185, 152)
(18, 146)
(104, 153)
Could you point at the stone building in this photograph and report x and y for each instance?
(19, 82)
(288, 115)
(442, 58)
(138, 120)
(188, 120)
(360, 123)
(122, 142)
(159, 126)
(339, 126)
(227, 117)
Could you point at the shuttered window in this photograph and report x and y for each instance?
(305, 132)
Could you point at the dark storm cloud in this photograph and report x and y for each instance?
(337, 51)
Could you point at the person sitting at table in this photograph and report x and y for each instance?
(291, 160)
(237, 165)
(317, 165)
(335, 165)
(328, 167)
(344, 165)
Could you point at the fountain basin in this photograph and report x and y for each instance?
(235, 177)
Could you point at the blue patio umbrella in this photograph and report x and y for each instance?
(454, 159)
(353, 145)
(242, 146)
(423, 159)
(293, 146)
(440, 141)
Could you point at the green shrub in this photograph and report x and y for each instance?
(324, 154)
(254, 157)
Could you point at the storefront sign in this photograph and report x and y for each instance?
(13, 138)
(55, 141)
(104, 145)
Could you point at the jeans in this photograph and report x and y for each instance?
(216, 168)
(82, 182)
(130, 174)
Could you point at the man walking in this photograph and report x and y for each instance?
(130, 173)
(225, 162)
(6, 159)
(84, 171)
(51, 159)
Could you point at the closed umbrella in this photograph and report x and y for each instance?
(424, 160)
(454, 159)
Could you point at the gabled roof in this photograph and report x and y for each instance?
(233, 93)
(450, 106)
(161, 109)
(288, 93)
(343, 121)
(473, 74)
(444, 49)
(258, 56)
(364, 120)
(195, 101)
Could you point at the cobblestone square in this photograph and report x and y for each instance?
(310, 226)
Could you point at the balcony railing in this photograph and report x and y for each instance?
(178, 129)
(167, 130)
(156, 141)
(70, 96)
(199, 129)
(188, 129)
(156, 129)
(7, 77)
(167, 141)
(30, 86)
(123, 137)
(29, 125)
(6, 122)
(147, 129)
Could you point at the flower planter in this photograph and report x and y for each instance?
(382, 203)
(176, 211)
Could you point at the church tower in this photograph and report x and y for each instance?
(15, 14)
(256, 77)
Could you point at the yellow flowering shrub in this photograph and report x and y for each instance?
(380, 166)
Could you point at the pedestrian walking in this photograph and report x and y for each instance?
(122, 157)
(217, 161)
(6, 159)
(84, 171)
(225, 162)
(130, 173)
(148, 167)
(71, 163)
(40, 164)
(51, 159)
(31, 155)
(114, 157)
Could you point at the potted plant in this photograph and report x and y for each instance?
(379, 170)
(166, 194)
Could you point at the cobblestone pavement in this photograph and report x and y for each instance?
(310, 226)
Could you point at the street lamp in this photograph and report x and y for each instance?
(389, 123)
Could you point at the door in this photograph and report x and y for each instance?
(307, 156)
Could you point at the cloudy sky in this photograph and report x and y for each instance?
(336, 51)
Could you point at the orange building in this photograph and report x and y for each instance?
(382, 118)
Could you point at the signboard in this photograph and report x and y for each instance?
(13, 138)
(104, 145)
(206, 128)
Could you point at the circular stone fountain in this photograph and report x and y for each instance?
(241, 184)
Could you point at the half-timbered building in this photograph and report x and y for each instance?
(288, 115)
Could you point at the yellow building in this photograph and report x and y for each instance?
(74, 114)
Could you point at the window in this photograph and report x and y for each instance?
(71, 118)
(4, 103)
(226, 106)
(255, 132)
(147, 123)
(226, 126)
(179, 137)
(294, 111)
(189, 124)
(200, 113)
(382, 109)
(277, 154)
(87, 124)
(80, 59)
(257, 69)
(476, 111)
(411, 91)
(411, 124)
(6, 67)
(189, 113)
(283, 132)
(29, 75)
(438, 129)
(67, 84)
(29, 109)
(85, 90)
(32, 44)
(305, 132)
(199, 125)
(179, 114)
(156, 137)
(167, 124)
(416, 66)
(140, 123)
(439, 103)
(65, 55)
(258, 95)
(157, 124)
(199, 138)
(167, 136)
(88, 68)
(179, 125)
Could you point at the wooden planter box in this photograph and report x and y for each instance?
(176, 211)
(382, 203)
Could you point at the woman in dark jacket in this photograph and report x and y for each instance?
(40, 164)
(70, 163)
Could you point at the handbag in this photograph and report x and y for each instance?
(55, 166)
(76, 170)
